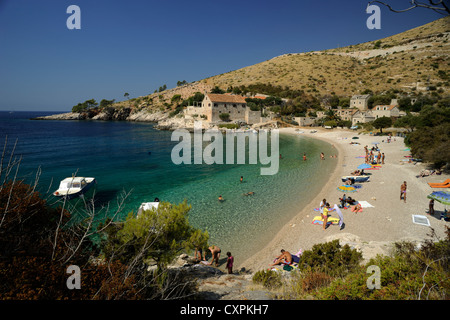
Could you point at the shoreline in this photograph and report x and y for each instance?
(374, 230)
(280, 240)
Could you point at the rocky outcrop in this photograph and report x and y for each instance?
(109, 114)
(214, 284)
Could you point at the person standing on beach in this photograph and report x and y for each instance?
(382, 158)
(431, 207)
(325, 216)
(230, 261)
(403, 191)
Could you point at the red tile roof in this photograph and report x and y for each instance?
(225, 98)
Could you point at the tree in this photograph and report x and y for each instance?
(126, 95)
(106, 103)
(216, 89)
(224, 116)
(438, 6)
(85, 106)
(382, 122)
(156, 235)
(409, 122)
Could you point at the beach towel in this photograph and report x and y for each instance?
(422, 220)
(339, 212)
(365, 204)
(331, 220)
(353, 207)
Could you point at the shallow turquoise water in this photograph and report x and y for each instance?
(135, 158)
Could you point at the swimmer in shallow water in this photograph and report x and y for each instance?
(249, 193)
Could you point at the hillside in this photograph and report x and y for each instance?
(404, 61)
(408, 62)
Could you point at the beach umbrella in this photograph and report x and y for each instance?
(440, 196)
(364, 166)
(346, 188)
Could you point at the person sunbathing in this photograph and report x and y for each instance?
(357, 208)
(285, 257)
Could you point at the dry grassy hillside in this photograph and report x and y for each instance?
(405, 61)
(410, 61)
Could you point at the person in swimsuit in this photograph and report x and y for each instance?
(215, 251)
(285, 257)
(230, 261)
(403, 191)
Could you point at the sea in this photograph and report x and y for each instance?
(132, 164)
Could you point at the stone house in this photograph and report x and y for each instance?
(386, 111)
(234, 105)
(362, 117)
(346, 114)
(360, 101)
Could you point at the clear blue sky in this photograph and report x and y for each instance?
(136, 46)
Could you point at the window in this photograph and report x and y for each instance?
(215, 104)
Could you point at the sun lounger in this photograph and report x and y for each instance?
(444, 184)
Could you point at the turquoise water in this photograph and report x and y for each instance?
(135, 158)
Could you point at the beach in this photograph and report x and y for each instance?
(376, 228)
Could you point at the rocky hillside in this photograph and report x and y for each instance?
(409, 61)
(413, 61)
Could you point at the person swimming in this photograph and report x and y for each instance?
(249, 193)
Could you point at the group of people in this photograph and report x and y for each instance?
(215, 251)
(371, 158)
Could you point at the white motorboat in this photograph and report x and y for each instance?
(73, 187)
(148, 206)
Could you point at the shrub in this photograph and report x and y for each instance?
(330, 258)
(269, 279)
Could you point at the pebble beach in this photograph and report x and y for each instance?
(386, 220)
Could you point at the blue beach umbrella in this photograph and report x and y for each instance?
(364, 166)
(440, 196)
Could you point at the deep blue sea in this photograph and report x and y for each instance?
(135, 158)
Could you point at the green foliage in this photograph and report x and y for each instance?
(224, 116)
(106, 103)
(216, 89)
(155, 235)
(409, 273)
(330, 123)
(229, 125)
(268, 278)
(431, 139)
(197, 98)
(331, 258)
(382, 122)
(85, 106)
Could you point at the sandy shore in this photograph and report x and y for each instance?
(373, 230)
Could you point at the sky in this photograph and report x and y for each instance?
(136, 46)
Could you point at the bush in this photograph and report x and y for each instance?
(269, 279)
(330, 258)
(224, 116)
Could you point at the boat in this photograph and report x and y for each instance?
(147, 206)
(72, 187)
(356, 178)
